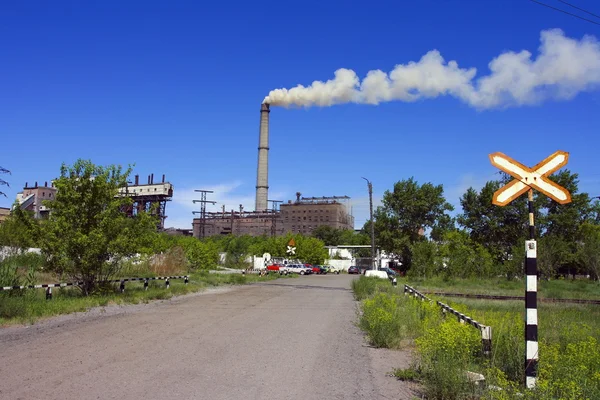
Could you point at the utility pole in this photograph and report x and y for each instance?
(202, 212)
(370, 185)
(273, 216)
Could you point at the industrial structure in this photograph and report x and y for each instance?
(303, 215)
(31, 198)
(151, 197)
(307, 213)
(262, 170)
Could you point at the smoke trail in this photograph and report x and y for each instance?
(563, 68)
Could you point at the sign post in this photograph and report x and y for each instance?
(527, 179)
(291, 247)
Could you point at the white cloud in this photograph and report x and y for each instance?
(563, 68)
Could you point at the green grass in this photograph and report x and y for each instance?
(559, 289)
(569, 336)
(28, 306)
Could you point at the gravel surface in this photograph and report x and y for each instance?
(282, 339)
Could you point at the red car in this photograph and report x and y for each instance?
(273, 267)
(315, 269)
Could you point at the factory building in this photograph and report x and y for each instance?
(31, 198)
(303, 215)
(151, 197)
(239, 223)
(308, 213)
(300, 216)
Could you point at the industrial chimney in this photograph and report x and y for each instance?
(262, 175)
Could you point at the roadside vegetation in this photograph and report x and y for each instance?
(445, 349)
(89, 238)
(28, 306)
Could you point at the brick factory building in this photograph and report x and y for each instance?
(308, 213)
(301, 216)
(31, 198)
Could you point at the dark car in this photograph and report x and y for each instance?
(354, 270)
(390, 271)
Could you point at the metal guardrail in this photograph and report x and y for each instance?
(416, 293)
(486, 331)
(122, 281)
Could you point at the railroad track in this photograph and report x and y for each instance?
(490, 297)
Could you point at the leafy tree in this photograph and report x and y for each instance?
(329, 235)
(497, 228)
(2, 181)
(553, 252)
(200, 255)
(408, 211)
(589, 249)
(87, 235)
(425, 259)
(20, 230)
(464, 258)
(308, 249)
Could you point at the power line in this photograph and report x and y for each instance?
(579, 8)
(564, 12)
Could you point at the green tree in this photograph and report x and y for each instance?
(553, 252)
(200, 255)
(87, 235)
(20, 230)
(463, 258)
(589, 249)
(2, 181)
(499, 229)
(408, 211)
(329, 235)
(425, 259)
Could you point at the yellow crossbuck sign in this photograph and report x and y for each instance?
(526, 178)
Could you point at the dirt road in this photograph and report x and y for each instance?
(283, 339)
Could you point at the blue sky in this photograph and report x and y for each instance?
(175, 88)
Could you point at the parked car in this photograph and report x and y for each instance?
(322, 270)
(314, 268)
(390, 271)
(331, 269)
(298, 269)
(354, 270)
(274, 267)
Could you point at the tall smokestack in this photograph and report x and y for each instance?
(262, 175)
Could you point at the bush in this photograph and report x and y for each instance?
(364, 287)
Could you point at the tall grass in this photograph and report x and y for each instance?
(556, 288)
(569, 367)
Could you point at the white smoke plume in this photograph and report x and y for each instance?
(563, 68)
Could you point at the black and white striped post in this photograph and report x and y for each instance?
(527, 179)
(531, 317)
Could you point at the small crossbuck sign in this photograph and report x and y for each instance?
(291, 247)
(526, 178)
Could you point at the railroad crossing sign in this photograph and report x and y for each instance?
(527, 178)
(291, 247)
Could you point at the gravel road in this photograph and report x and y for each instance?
(282, 339)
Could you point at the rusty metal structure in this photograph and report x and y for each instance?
(149, 197)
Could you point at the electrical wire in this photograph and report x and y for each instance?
(565, 12)
(579, 8)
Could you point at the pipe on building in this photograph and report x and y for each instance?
(262, 175)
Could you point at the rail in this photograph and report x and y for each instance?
(122, 282)
(485, 330)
